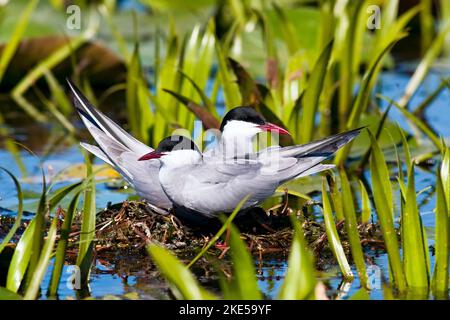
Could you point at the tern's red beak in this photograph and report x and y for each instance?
(273, 128)
(151, 155)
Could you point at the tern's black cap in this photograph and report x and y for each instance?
(176, 142)
(244, 113)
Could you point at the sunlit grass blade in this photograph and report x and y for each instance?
(414, 249)
(38, 235)
(62, 245)
(18, 217)
(21, 258)
(445, 175)
(424, 127)
(310, 98)
(336, 199)
(6, 294)
(44, 259)
(220, 232)
(333, 237)
(14, 40)
(85, 254)
(58, 94)
(229, 87)
(361, 294)
(424, 66)
(362, 98)
(382, 194)
(300, 281)
(183, 283)
(244, 284)
(441, 274)
(351, 225)
(366, 207)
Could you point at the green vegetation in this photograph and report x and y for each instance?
(178, 61)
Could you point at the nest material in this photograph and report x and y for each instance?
(126, 228)
(131, 225)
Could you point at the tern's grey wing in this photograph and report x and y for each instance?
(142, 175)
(216, 186)
(121, 150)
(93, 117)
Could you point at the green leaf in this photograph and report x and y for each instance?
(362, 99)
(6, 294)
(333, 236)
(382, 194)
(310, 99)
(445, 175)
(62, 245)
(414, 249)
(21, 258)
(84, 258)
(183, 283)
(424, 66)
(18, 219)
(244, 283)
(300, 281)
(366, 208)
(16, 36)
(229, 87)
(44, 259)
(441, 274)
(351, 226)
(361, 294)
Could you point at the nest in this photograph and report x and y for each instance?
(130, 226)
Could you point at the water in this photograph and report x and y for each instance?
(133, 281)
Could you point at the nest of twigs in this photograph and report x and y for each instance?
(131, 225)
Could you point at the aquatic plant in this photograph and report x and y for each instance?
(314, 78)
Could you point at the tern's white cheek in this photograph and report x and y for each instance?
(180, 158)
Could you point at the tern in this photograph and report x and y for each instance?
(122, 151)
(238, 128)
(213, 186)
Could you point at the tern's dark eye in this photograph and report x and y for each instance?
(176, 142)
(247, 114)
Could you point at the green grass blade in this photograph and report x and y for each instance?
(183, 283)
(366, 207)
(300, 281)
(62, 245)
(38, 234)
(244, 284)
(351, 225)
(18, 219)
(6, 294)
(333, 237)
(21, 258)
(416, 121)
(229, 87)
(445, 175)
(441, 274)
(424, 66)
(362, 98)
(414, 249)
(382, 194)
(44, 259)
(310, 99)
(84, 258)
(220, 232)
(16, 36)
